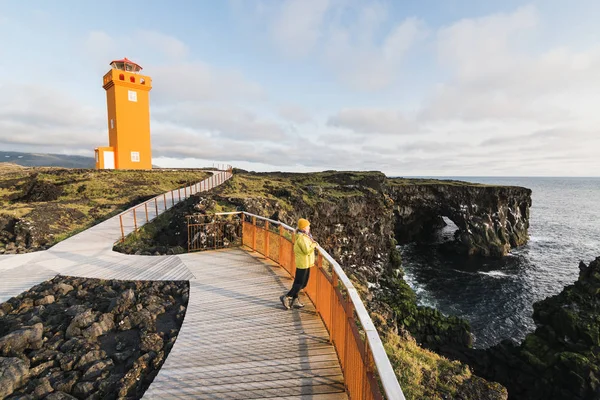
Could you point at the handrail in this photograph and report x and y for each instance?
(383, 366)
(159, 204)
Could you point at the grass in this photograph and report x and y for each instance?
(310, 187)
(60, 202)
(423, 374)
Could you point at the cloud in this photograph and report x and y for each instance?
(297, 26)
(498, 74)
(198, 81)
(221, 122)
(295, 113)
(486, 45)
(373, 120)
(168, 45)
(364, 63)
(37, 116)
(136, 43)
(359, 43)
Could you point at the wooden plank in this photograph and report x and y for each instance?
(239, 369)
(290, 387)
(324, 396)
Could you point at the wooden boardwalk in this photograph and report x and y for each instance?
(236, 341)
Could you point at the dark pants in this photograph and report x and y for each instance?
(300, 282)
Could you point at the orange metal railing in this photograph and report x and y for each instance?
(214, 234)
(358, 345)
(134, 218)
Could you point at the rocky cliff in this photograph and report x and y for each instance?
(490, 219)
(357, 218)
(561, 359)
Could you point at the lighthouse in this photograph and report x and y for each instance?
(128, 104)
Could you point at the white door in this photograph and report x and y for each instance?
(109, 160)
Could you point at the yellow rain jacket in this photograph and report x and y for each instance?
(304, 249)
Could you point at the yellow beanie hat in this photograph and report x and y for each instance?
(303, 223)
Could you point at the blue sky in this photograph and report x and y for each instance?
(409, 88)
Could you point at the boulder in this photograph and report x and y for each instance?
(59, 396)
(66, 382)
(89, 358)
(67, 361)
(84, 389)
(123, 302)
(49, 299)
(42, 368)
(62, 288)
(42, 388)
(129, 384)
(29, 337)
(105, 324)
(97, 369)
(14, 373)
(151, 342)
(81, 321)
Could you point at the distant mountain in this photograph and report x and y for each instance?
(47, 160)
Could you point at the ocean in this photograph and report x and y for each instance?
(497, 296)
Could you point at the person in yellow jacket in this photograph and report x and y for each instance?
(304, 250)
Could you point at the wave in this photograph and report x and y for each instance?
(494, 274)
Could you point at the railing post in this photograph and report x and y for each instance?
(254, 233)
(165, 200)
(293, 256)
(189, 236)
(134, 220)
(179, 194)
(334, 284)
(156, 206)
(185, 192)
(348, 332)
(267, 247)
(280, 245)
(368, 362)
(146, 208)
(172, 198)
(318, 276)
(122, 230)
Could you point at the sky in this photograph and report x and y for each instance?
(428, 88)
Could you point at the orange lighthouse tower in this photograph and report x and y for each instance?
(128, 102)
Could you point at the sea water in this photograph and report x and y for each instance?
(497, 296)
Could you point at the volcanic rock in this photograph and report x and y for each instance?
(30, 337)
(14, 373)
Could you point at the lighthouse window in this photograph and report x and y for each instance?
(121, 77)
(132, 79)
(135, 156)
(142, 81)
(112, 123)
(132, 95)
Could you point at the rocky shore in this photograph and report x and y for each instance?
(86, 338)
(561, 359)
(490, 219)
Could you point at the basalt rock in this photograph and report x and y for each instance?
(490, 219)
(15, 343)
(78, 350)
(561, 359)
(14, 373)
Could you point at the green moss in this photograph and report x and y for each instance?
(423, 374)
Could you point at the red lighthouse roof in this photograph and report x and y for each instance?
(126, 65)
